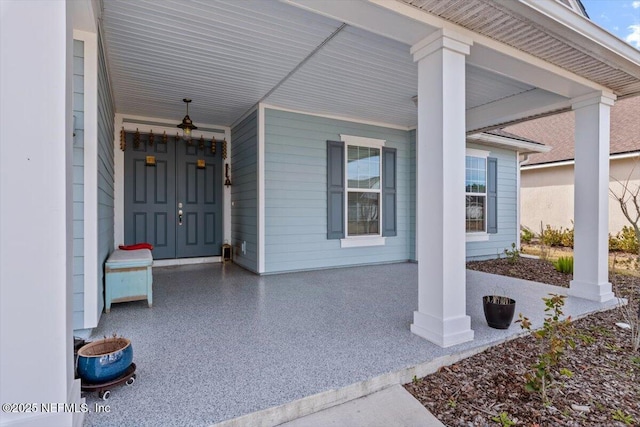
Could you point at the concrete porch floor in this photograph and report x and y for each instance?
(220, 342)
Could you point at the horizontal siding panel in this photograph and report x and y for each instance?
(296, 193)
(244, 193)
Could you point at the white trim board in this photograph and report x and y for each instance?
(261, 232)
(90, 188)
(572, 161)
(341, 118)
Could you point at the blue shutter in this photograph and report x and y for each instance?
(335, 189)
(492, 195)
(389, 185)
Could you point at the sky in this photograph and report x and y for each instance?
(620, 17)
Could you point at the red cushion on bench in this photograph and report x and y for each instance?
(136, 246)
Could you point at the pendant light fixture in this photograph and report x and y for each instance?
(187, 125)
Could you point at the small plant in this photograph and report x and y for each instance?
(624, 241)
(564, 264)
(627, 419)
(551, 236)
(567, 237)
(415, 379)
(631, 315)
(513, 255)
(635, 360)
(503, 419)
(452, 403)
(543, 247)
(526, 235)
(554, 338)
(586, 338)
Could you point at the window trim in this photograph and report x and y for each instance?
(479, 236)
(359, 240)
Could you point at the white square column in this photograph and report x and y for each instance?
(36, 289)
(591, 198)
(441, 317)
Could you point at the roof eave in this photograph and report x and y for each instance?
(582, 33)
(522, 147)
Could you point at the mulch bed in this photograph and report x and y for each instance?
(603, 391)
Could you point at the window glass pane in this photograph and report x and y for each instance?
(363, 167)
(476, 213)
(363, 214)
(475, 175)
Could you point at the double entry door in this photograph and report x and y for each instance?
(173, 196)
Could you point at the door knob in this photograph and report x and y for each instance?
(180, 216)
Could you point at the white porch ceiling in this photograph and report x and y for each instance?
(227, 55)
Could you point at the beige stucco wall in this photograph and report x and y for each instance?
(547, 194)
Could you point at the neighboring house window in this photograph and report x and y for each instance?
(361, 191)
(481, 198)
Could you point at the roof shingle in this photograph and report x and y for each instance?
(557, 131)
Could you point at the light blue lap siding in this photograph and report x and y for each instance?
(244, 191)
(78, 184)
(105, 171)
(296, 194)
(507, 207)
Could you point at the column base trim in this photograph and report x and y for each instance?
(591, 291)
(444, 333)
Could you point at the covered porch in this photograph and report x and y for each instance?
(221, 342)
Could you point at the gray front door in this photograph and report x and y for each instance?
(199, 197)
(173, 201)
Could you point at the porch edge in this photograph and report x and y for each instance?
(311, 404)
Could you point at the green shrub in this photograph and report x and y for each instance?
(551, 236)
(625, 241)
(564, 265)
(513, 255)
(526, 235)
(567, 237)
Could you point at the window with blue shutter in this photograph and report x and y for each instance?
(481, 194)
(361, 190)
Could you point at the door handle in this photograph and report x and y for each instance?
(179, 216)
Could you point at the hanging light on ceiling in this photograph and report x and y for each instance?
(187, 125)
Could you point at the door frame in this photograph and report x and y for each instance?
(159, 126)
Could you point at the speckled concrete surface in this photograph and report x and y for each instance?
(221, 342)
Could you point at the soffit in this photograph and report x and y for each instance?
(495, 20)
(231, 54)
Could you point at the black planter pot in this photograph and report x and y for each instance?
(499, 316)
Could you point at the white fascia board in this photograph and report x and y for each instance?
(336, 117)
(517, 68)
(538, 65)
(515, 108)
(411, 25)
(572, 161)
(522, 147)
(569, 24)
